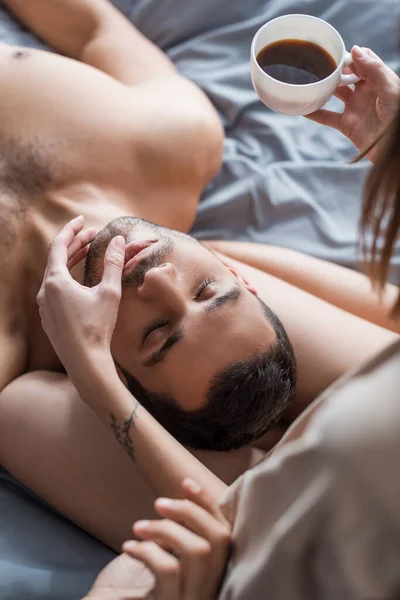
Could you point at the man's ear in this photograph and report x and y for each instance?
(241, 278)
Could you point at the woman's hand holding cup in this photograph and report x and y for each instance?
(369, 89)
(370, 107)
(292, 96)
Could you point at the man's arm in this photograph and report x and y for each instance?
(94, 32)
(342, 287)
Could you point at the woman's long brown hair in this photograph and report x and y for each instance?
(380, 219)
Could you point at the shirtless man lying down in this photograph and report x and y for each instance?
(125, 135)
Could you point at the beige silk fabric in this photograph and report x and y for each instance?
(319, 517)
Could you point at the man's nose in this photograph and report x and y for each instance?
(162, 285)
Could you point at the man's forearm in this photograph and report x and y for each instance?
(161, 459)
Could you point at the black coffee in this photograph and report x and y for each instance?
(296, 61)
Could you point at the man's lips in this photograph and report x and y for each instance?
(135, 252)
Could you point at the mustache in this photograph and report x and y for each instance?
(155, 259)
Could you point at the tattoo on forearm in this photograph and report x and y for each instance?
(123, 432)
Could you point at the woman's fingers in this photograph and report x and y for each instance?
(79, 248)
(79, 256)
(41, 295)
(165, 567)
(326, 117)
(173, 536)
(68, 248)
(197, 534)
(196, 494)
(114, 259)
(344, 93)
(369, 65)
(80, 241)
(203, 561)
(196, 519)
(58, 253)
(196, 555)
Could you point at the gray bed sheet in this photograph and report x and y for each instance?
(284, 181)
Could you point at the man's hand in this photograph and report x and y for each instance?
(370, 107)
(80, 321)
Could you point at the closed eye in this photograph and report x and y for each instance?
(152, 327)
(163, 323)
(203, 286)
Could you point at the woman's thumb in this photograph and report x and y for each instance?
(114, 260)
(369, 66)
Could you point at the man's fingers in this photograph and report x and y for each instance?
(114, 263)
(58, 252)
(164, 566)
(326, 117)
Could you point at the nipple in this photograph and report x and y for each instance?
(21, 54)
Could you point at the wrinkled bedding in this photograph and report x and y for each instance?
(284, 181)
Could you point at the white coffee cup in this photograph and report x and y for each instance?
(292, 99)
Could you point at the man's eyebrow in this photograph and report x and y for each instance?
(160, 354)
(231, 296)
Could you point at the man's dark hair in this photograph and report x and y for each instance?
(243, 401)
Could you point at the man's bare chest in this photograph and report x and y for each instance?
(32, 221)
(27, 228)
(13, 275)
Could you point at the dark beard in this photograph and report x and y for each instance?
(155, 259)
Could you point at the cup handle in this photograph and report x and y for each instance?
(350, 78)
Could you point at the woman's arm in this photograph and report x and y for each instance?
(162, 461)
(368, 108)
(55, 444)
(342, 287)
(79, 322)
